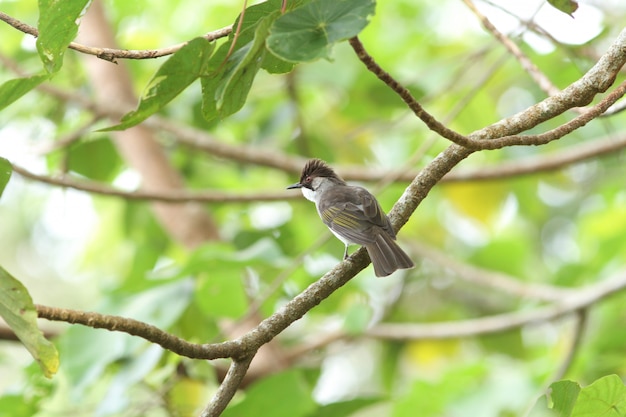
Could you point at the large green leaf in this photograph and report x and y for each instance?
(14, 89)
(176, 74)
(57, 28)
(5, 173)
(18, 310)
(604, 397)
(309, 32)
(224, 91)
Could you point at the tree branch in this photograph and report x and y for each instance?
(532, 165)
(580, 93)
(430, 121)
(202, 141)
(246, 345)
(559, 132)
(542, 163)
(131, 326)
(228, 388)
(578, 300)
(171, 196)
(112, 54)
(496, 280)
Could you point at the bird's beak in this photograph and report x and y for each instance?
(297, 185)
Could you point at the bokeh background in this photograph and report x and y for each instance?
(510, 243)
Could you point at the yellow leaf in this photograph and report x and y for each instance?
(480, 200)
(431, 354)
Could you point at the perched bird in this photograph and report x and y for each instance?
(353, 215)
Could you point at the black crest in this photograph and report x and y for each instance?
(317, 168)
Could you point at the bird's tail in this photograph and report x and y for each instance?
(387, 256)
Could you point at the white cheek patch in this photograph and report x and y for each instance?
(309, 194)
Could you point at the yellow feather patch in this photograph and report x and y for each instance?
(343, 219)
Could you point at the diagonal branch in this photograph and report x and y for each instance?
(580, 93)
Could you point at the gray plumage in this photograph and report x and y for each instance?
(353, 215)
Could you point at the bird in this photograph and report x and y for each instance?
(353, 215)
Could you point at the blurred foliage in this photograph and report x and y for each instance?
(110, 255)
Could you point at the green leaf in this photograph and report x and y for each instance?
(18, 310)
(57, 28)
(564, 395)
(225, 91)
(309, 32)
(14, 89)
(176, 74)
(252, 17)
(5, 173)
(605, 397)
(96, 159)
(566, 6)
(260, 399)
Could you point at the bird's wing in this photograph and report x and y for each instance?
(354, 214)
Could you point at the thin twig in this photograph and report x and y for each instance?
(579, 328)
(404, 93)
(540, 78)
(580, 93)
(170, 196)
(110, 54)
(580, 322)
(236, 34)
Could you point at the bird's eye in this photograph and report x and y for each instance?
(307, 179)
